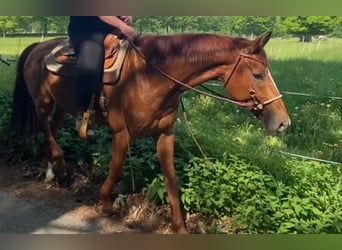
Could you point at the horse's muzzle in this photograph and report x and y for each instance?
(274, 122)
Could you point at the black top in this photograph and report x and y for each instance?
(88, 23)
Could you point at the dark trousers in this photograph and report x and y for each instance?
(89, 51)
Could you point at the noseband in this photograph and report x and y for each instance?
(254, 104)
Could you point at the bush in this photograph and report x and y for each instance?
(259, 203)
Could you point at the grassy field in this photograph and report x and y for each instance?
(11, 47)
(280, 49)
(305, 195)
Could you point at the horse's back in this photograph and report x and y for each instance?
(41, 49)
(34, 70)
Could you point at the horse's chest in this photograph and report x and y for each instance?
(152, 122)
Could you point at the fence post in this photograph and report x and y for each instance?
(318, 44)
(19, 44)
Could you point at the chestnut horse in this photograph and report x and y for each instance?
(156, 71)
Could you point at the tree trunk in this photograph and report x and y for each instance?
(45, 28)
(305, 38)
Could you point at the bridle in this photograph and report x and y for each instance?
(254, 103)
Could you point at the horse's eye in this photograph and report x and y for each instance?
(258, 76)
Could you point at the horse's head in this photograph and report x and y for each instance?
(250, 82)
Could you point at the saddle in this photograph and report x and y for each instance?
(62, 59)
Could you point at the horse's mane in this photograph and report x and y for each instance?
(194, 48)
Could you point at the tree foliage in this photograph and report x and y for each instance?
(307, 26)
(233, 25)
(253, 25)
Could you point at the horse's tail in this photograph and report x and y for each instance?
(23, 117)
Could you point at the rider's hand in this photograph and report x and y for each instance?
(129, 32)
(127, 20)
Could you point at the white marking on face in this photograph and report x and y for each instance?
(270, 76)
(275, 86)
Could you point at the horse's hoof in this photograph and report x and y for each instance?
(64, 181)
(182, 231)
(104, 210)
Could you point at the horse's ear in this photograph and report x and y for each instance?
(260, 41)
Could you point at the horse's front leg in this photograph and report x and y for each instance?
(165, 151)
(119, 149)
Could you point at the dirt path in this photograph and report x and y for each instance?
(22, 216)
(28, 205)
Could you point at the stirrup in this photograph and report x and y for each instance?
(86, 130)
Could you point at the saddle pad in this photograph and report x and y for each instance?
(62, 60)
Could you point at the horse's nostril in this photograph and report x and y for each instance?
(284, 125)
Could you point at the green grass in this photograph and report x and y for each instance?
(11, 47)
(279, 49)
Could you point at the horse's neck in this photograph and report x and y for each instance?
(206, 59)
(185, 76)
(202, 71)
(192, 58)
(196, 72)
